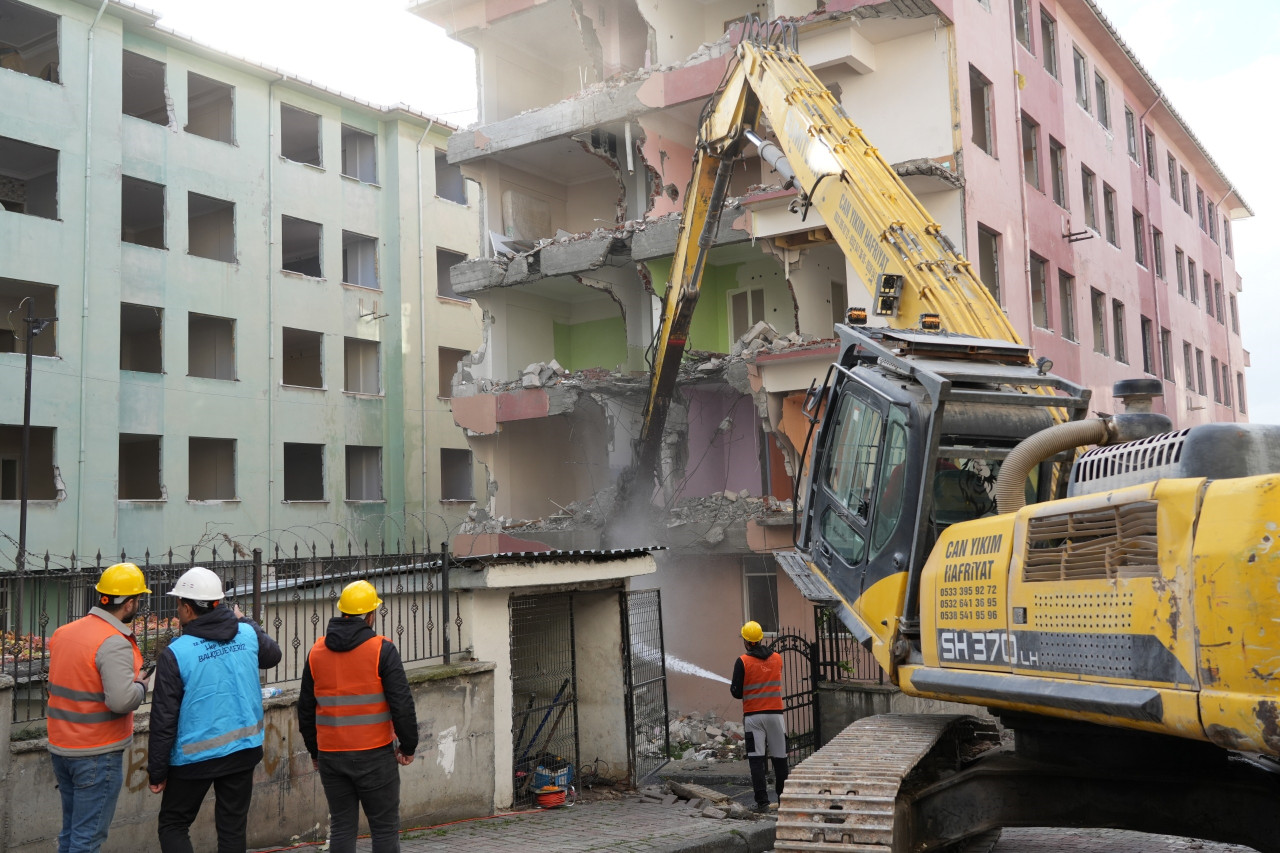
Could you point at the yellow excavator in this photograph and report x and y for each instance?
(1107, 588)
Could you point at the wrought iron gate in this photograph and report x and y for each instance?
(799, 695)
(646, 671)
(544, 693)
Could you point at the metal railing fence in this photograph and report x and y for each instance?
(841, 657)
(292, 595)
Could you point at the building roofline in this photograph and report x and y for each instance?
(140, 19)
(1102, 19)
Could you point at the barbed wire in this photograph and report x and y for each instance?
(333, 536)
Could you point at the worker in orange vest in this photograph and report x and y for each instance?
(95, 683)
(358, 722)
(757, 681)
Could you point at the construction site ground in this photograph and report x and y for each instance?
(661, 822)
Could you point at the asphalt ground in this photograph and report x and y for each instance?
(615, 821)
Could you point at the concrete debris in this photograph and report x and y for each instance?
(714, 813)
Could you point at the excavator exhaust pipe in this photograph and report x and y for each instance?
(1138, 421)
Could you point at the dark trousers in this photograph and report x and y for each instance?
(181, 801)
(367, 778)
(758, 781)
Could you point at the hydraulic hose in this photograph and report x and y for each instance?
(1010, 490)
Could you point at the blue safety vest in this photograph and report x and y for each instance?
(221, 702)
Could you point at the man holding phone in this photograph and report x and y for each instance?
(95, 683)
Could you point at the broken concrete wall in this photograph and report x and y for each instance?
(723, 440)
(550, 462)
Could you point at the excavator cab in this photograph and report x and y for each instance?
(914, 430)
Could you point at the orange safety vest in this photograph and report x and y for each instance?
(351, 710)
(761, 683)
(78, 716)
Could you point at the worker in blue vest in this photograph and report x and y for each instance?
(206, 715)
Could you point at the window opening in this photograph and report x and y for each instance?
(444, 260)
(1039, 291)
(361, 373)
(1081, 67)
(359, 260)
(989, 259)
(29, 41)
(1089, 190)
(1166, 354)
(211, 108)
(303, 472)
(1097, 305)
(140, 470)
(141, 348)
(450, 185)
(1031, 151)
(141, 212)
(746, 308)
(1148, 345)
(28, 178)
(359, 155)
(447, 364)
(211, 469)
(760, 591)
(40, 467)
(1117, 319)
(302, 359)
(364, 473)
(455, 475)
(143, 93)
(1049, 43)
(980, 105)
(211, 352)
(300, 246)
(211, 228)
(1058, 165)
(299, 135)
(13, 306)
(1067, 305)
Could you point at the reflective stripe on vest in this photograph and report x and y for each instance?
(761, 683)
(221, 711)
(351, 710)
(79, 719)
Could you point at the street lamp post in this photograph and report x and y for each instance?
(34, 327)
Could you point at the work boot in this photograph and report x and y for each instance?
(761, 808)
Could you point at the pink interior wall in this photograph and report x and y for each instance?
(721, 461)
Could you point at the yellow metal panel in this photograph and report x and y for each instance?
(1181, 713)
(1237, 572)
(964, 614)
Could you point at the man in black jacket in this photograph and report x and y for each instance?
(358, 722)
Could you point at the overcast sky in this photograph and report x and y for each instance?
(1216, 62)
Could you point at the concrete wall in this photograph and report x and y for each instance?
(841, 705)
(450, 779)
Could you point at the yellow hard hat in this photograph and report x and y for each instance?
(122, 580)
(752, 632)
(358, 598)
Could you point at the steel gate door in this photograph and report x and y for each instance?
(799, 695)
(544, 688)
(646, 671)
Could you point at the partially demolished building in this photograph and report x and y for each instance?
(1027, 129)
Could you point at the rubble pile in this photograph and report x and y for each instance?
(699, 800)
(696, 737)
(724, 508)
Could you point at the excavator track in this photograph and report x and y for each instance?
(843, 798)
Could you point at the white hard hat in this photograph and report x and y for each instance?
(198, 584)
